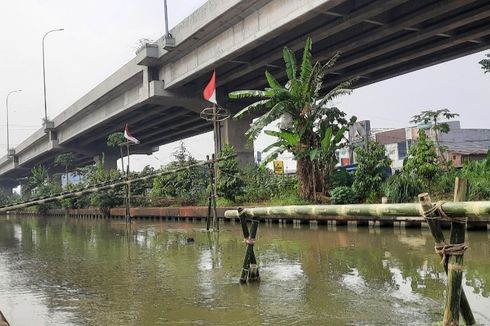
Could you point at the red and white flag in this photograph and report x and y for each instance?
(128, 135)
(209, 93)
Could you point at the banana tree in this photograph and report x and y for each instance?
(303, 111)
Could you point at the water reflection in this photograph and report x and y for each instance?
(76, 272)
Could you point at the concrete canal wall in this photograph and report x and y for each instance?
(200, 213)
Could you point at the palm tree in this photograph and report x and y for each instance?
(310, 128)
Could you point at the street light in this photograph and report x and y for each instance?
(44, 75)
(168, 39)
(7, 108)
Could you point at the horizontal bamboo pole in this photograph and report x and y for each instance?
(473, 209)
(91, 189)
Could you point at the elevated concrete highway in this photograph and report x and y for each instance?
(158, 92)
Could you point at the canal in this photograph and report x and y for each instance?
(86, 272)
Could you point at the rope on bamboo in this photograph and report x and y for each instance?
(249, 241)
(437, 212)
(446, 250)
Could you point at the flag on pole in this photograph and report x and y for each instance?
(128, 135)
(209, 93)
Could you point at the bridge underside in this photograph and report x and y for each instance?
(376, 39)
(154, 125)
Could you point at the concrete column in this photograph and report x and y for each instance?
(57, 178)
(233, 133)
(109, 161)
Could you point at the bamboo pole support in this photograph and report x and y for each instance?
(127, 197)
(212, 217)
(208, 217)
(213, 187)
(250, 270)
(454, 291)
(3, 320)
(436, 230)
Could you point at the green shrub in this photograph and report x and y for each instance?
(262, 185)
(7, 198)
(188, 185)
(371, 172)
(403, 188)
(343, 195)
(230, 183)
(106, 199)
(443, 185)
(340, 177)
(478, 175)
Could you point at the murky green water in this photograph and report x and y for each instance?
(73, 272)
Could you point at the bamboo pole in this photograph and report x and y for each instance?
(474, 209)
(3, 320)
(454, 292)
(214, 177)
(212, 217)
(208, 217)
(436, 230)
(91, 189)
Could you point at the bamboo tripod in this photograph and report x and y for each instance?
(250, 269)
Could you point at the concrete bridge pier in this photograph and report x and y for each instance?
(233, 133)
(109, 161)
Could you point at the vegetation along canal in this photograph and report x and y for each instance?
(82, 272)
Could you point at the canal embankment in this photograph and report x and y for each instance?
(199, 213)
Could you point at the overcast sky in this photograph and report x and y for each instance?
(100, 37)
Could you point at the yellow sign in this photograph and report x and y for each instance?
(278, 167)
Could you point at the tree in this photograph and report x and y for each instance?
(38, 177)
(422, 161)
(309, 126)
(434, 117)
(38, 184)
(485, 64)
(371, 172)
(117, 139)
(65, 159)
(229, 183)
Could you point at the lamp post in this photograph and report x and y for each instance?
(168, 39)
(44, 74)
(7, 109)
